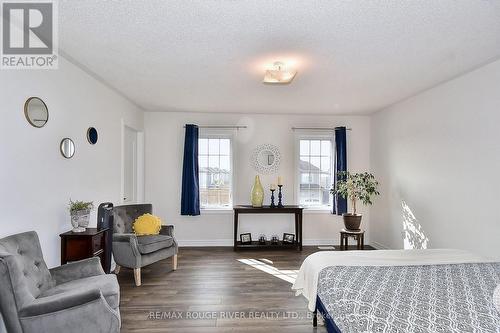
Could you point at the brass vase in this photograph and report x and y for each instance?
(257, 193)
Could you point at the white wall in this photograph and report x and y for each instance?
(437, 156)
(36, 181)
(164, 151)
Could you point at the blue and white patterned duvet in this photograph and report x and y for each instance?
(428, 298)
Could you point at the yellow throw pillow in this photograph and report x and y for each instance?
(147, 224)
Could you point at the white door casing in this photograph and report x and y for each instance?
(130, 154)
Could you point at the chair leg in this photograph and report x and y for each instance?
(137, 276)
(174, 262)
(117, 269)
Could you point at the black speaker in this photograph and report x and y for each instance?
(105, 220)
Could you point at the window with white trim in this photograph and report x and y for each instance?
(315, 171)
(215, 172)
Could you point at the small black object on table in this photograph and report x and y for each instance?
(247, 209)
(358, 235)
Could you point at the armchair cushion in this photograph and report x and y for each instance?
(45, 305)
(85, 312)
(77, 270)
(152, 243)
(107, 284)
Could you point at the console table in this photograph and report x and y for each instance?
(296, 210)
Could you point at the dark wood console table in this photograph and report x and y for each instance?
(296, 210)
(82, 245)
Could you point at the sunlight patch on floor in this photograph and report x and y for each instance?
(265, 266)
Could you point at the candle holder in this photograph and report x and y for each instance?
(272, 199)
(280, 197)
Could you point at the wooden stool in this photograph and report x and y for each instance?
(358, 235)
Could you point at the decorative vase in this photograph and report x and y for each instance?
(352, 221)
(80, 220)
(257, 193)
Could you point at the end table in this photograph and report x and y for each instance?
(358, 235)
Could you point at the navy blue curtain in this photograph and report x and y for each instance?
(190, 202)
(340, 203)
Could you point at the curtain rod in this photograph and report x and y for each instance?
(222, 127)
(317, 128)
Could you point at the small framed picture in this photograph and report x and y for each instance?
(246, 238)
(288, 238)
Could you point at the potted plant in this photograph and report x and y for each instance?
(354, 187)
(80, 214)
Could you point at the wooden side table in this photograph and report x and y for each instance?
(82, 245)
(359, 236)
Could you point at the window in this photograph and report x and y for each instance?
(315, 171)
(215, 172)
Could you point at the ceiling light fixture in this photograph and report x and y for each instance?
(279, 75)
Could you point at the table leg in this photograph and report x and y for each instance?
(63, 251)
(358, 240)
(300, 230)
(297, 236)
(362, 241)
(235, 228)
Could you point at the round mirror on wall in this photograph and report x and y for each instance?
(92, 135)
(36, 112)
(67, 148)
(265, 159)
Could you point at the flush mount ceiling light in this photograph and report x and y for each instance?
(279, 74)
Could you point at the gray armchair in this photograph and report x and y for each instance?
(133, 251)
(77, 297)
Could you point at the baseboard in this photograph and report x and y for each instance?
(205, 242)
(314, 242)
(229, 242)
(379, 246)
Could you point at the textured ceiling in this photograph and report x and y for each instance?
(210, 56)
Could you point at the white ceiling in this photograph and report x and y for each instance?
(210, 56)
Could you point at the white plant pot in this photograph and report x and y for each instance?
(80, 220)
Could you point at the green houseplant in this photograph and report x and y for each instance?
(80, 214)
(355, 186)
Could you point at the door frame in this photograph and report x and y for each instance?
(139, 195)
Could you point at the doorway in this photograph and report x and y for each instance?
(132, 170)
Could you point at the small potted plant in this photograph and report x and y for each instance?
(80, 214)
(354, 187)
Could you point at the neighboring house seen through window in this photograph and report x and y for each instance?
(215, 172)
(315, 171)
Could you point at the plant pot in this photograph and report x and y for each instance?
(80, 220)
(352, 221)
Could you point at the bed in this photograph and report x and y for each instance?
(401, 290)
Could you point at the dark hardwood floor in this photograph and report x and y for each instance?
(251, 295)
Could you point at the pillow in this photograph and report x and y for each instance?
(147, 224)
(496, 298)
